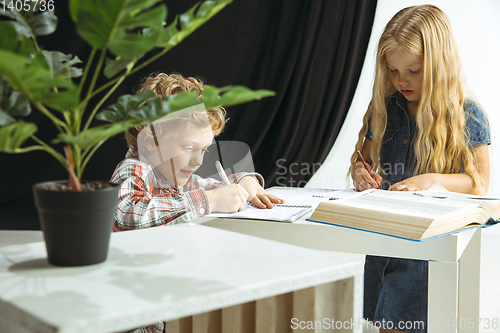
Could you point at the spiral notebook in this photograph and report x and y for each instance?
(298, 201)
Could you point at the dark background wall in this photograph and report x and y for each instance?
(309, 52)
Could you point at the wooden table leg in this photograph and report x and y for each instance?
(208, 322)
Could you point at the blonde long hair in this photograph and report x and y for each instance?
(441, 144)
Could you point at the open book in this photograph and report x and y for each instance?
(410, 215)
(298, 201)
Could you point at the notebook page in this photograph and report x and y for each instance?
(307, 196)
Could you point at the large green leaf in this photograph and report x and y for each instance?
(146, 114)
(151, 111)
(15, 105)
(130, 106)
(25, 46)
(94, 135)
(238, 95)
(5, 118)
(34, 79)
(62, 64)
(8, 36)
(121, 110)
(13, 136)
(33, 22)
(18, 22)
(114, 24)
(186, 23)
(73, 9)
(130, 110)
(42, 24)
(183, 100)
(113, 67)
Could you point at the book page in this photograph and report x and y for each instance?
(298, 201)
(406, 203)
(493, 204)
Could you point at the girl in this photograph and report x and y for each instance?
(419, 129)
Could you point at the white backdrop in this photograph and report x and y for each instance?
(476, 26)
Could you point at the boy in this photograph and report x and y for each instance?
(158, 186)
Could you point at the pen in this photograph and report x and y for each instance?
(221, 172)
(367, 167)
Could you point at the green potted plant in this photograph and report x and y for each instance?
(76, 215)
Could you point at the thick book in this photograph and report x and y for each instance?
(298, 201)
(409, 215)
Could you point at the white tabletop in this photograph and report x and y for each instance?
(326, 237)
(154, 274)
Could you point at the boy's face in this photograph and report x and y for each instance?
(406, 73)
(181, 153)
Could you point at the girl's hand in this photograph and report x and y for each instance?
(415, 183)
(362, 179)
(257, 195)
(228, 199)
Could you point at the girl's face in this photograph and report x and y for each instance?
(406, 73)
(182, 154)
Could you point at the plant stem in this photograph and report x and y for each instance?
(33, 38)
(89, 156)
(86, 70)
(77, 159)
(96, 74)
(67, 118)
(35, 43)
(58, 122)
(83, 105)
(101, 102)
(28, 149)
(79, 110)
(145, 63)
(49, 150)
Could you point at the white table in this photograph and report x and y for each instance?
(454, 261)
(156, 274)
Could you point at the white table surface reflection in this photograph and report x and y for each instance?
(156, 274)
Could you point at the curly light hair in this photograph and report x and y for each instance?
(164, 85)
(441, 144)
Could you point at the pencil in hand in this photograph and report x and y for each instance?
(367, 167)
(222, 173)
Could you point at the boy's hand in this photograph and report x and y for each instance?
(257, 195)
(228, 199)
(362, 179)
(263, 199)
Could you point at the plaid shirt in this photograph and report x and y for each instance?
(146, 198)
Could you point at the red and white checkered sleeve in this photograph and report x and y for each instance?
(141, 206)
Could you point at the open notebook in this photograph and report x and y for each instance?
(298, 201)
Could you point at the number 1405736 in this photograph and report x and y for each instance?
(26, 5)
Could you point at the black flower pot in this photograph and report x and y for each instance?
(76, 225)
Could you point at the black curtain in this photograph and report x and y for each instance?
(309, 52)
